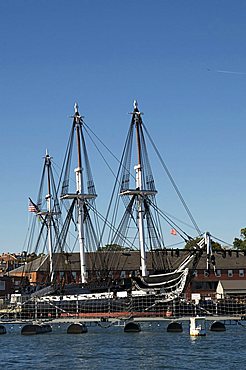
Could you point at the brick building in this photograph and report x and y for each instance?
(230, 265)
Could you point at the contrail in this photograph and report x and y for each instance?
(225, 71)
(233, 72)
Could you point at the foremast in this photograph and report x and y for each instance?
(48, 215)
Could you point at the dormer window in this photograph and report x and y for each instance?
(230, 273)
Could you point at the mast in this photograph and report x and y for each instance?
(144, 186)
(79, 190)
(210, 256)
(143, 189)
(49, 210)
(49, 215)
(139, 198)
(140, 208)
(80, 197)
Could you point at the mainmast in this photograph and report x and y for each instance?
(137, 121)
(49, 218)
(143, 189)
(79, 191)
(81, 198)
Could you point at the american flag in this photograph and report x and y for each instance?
(32, 208)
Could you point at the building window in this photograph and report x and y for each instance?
(197, 285)
(195, 273)
(218, 272)
(2, 285)
(230, 273)
(241, 273)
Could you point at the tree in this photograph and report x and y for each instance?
(216, 246)
(240, 243)
(112, 247)
(191, 244)
(31, 257)
(243, 233)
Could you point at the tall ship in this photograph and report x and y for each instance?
(101, 285)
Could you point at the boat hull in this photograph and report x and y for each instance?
(95, 305)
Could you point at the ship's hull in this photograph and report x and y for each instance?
(102, 305)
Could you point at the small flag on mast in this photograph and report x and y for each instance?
(173, 232)
(31, 207)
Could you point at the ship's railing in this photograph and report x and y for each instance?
(147, 306)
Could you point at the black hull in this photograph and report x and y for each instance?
(151, 306)
(102, 307)
(146, 306)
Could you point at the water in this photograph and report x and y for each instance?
(111, 348)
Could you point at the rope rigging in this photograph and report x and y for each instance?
(173, 183)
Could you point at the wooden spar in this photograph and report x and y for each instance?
(80, 203)
(77, 122)
(48, 200)
(138, 168)
(137, 122)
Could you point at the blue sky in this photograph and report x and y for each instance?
(104, 54)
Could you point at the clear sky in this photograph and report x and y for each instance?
(173, 56)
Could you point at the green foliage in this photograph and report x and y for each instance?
(31, 257)
(240, 243)
(111, 247)
(192, 243)
(243, 233)
(216, 246)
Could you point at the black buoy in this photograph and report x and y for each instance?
(77, 328)
(217, 326)
(3, 329)
(175, 327)
(132, 327)
(32, 329)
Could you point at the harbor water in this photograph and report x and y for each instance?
(111, 348)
